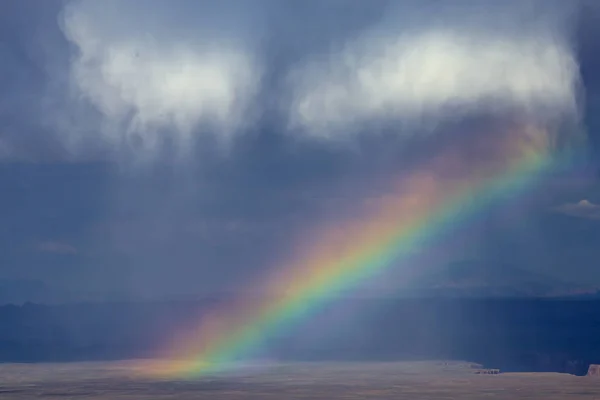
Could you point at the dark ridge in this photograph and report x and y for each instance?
(509, 334)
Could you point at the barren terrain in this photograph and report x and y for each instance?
(399, 380)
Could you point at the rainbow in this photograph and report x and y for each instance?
(424, 206)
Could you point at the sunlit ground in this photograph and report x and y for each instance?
(410, 380)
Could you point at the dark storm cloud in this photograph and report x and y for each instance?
(157, 83)
(28, 49)
(251, 120)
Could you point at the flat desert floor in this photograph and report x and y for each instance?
(401, 380)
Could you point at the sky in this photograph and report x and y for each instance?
(172, 149)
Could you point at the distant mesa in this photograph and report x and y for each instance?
(594, 370)
(474, 368)
(487, 371)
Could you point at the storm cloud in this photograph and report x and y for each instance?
(426, 64)
(232, 113)
(145, 80)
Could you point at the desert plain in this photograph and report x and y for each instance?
(429, 380)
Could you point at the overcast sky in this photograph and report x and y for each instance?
(171, 148)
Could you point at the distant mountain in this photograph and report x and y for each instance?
(472, 278)
(588, 295)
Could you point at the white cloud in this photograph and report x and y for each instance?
(55, 247)
(582, 209)
(153, 80)
(428, 71)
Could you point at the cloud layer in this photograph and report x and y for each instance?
(412, 77)
(162, 75)
(153, 77)
(427, 63)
